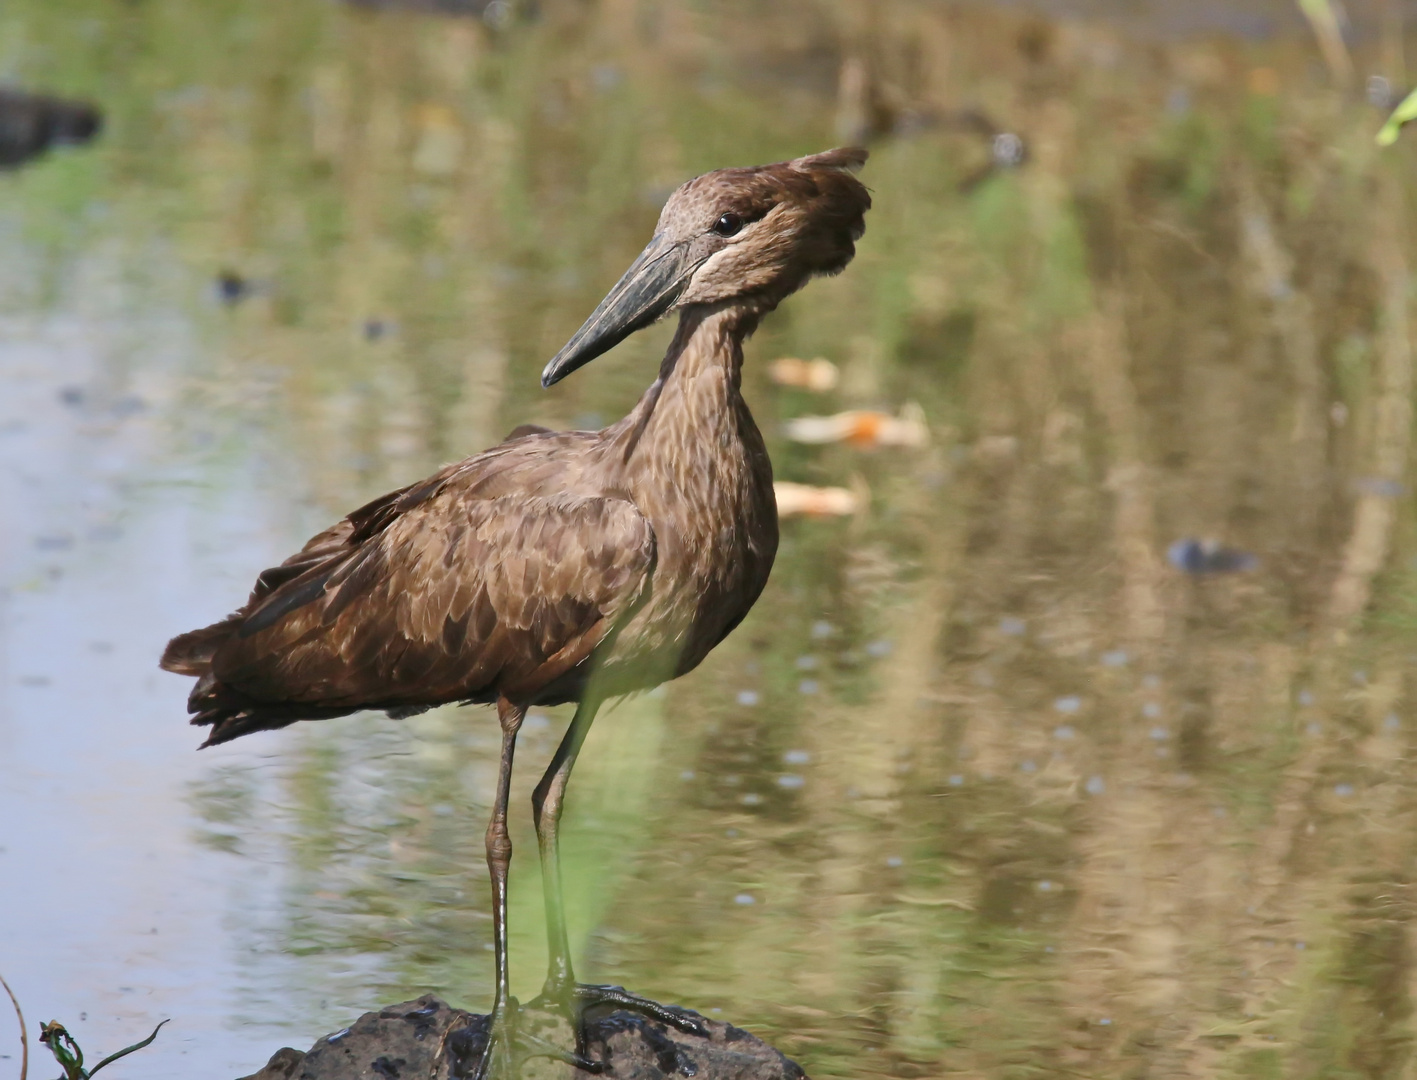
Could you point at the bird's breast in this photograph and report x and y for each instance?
(710, 502)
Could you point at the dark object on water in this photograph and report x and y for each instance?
(232, 288)
(492, 12)
(558, 566)
(31, 123)
(378, 329)
(407, 1040)
(1208, 557)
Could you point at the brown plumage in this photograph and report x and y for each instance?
(558, 566)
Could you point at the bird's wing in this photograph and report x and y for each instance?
(433, 594)
(529, 460)
(374, 516)
(191, 653)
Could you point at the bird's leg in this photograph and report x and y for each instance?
(561, 988)
(506, 1046)
(497, 1057)
(546, 804)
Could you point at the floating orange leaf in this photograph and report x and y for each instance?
(862, 427)
(819, 374)
(794, 499)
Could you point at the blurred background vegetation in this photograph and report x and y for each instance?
(1005, 775)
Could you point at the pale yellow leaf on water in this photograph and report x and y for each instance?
(794, 499)
(934, 901)
(864, 428)
(996, 447)
(820, 374)
(440, 140)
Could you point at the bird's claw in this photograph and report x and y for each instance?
(495, 1059)
(576, 999)
(504, 1046)
(588, 996)
(496, 1048)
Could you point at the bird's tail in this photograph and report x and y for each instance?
(230, 714)
(227, 711)
(191, 653)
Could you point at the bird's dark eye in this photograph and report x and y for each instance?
(728, 224)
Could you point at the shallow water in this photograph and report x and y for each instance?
(1009, 774)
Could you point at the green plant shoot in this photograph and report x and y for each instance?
(71, 1057)
(1405, 112)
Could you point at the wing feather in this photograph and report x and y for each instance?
(454, 597)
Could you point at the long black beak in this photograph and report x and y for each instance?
(646, 291)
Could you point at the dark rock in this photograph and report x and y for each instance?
(284, 1065)
(428, 1040)
(30, 124)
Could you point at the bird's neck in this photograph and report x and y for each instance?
(700, 375)
(709, 341)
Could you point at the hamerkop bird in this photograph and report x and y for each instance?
(557, 566)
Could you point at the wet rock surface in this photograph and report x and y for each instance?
(428, 1040)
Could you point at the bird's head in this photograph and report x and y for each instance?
(749, 236)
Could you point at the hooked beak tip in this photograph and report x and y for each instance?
(647, 291)
(559, 366)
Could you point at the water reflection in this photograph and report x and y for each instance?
(986, 784)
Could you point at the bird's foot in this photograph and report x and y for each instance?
(497, 1048)
(573, 1000)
